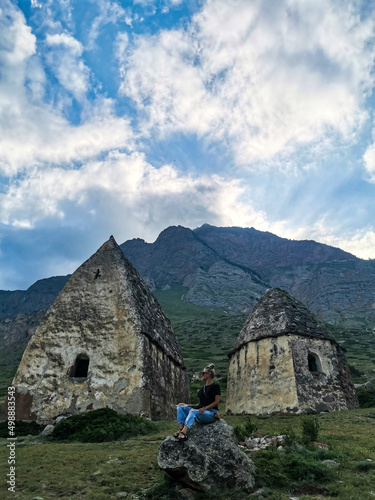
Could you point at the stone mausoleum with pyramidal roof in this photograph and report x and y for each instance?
(104, 342)
(286, 361)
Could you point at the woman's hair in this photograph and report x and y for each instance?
(211, 369)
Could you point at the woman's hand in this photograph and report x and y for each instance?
(202, 410)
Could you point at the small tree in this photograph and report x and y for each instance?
(310, 428)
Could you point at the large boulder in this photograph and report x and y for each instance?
(209, 460)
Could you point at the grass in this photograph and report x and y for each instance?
(100, 470)
(179, 310)
(8, 366)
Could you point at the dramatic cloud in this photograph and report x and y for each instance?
(369, 159)
(123, 120)
(262, 76)
(127, 184)
(109, 12)
(33, 131)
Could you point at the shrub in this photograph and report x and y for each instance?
(366, 399)
(22, 428)
(101, 425)
(364, 466)
(354, 371)
(245, 430)
(310, 428)
(293, 466)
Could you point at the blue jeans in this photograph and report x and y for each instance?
(187, 416)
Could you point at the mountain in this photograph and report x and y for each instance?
(232, 267)
(227, 270)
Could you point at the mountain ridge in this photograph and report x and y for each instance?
(229, 268)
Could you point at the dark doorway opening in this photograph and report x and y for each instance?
(80, 367)
(314, 363)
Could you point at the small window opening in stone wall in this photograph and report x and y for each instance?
(80, 367)
(314, 363)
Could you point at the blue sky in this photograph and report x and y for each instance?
(124, 118)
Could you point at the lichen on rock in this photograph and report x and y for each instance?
(210, 460)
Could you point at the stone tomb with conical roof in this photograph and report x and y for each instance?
(285, 360)
(105, 342)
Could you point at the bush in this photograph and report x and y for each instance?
(245, 430)
(364, 466)
(310, 428)
(101, 425)
(22, 428)
(366, 399)
(293, 466)
(355, 372)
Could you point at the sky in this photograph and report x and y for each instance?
(126, 117)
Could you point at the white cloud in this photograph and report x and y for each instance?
(263, 77)
(64, 60)
(34, 133)
(65, 40)
(17, 41)
(369, 160)
(359, 242)
(109, 13)
(147, 198)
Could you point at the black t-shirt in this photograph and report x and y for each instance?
(207, 395)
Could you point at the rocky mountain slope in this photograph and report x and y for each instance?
(228, 268)
(232, 267)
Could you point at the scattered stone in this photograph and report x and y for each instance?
(368, 460)
(321, 445)
(263, 492)
(60, 418)
(187, 494)
(209, 460)
(262, 442)
(48, 430)
(331, 463)
(121, 494)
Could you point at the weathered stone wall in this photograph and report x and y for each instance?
(165, 382)
(328, 389)
(272, 375)
(261, 378)
(106, 313)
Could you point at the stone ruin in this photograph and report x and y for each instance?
(105, 342)
(285, 360)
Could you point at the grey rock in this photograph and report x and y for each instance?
(121, 494)
(263, 492)
(187, 494)
(331, 463)
(252, 443)
(209, 460)
(60, 418)
(48, 430)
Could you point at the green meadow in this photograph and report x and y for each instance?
(49, 469)
(98, 471)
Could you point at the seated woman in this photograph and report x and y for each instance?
(204, 412)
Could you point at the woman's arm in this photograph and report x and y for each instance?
(212, 405)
